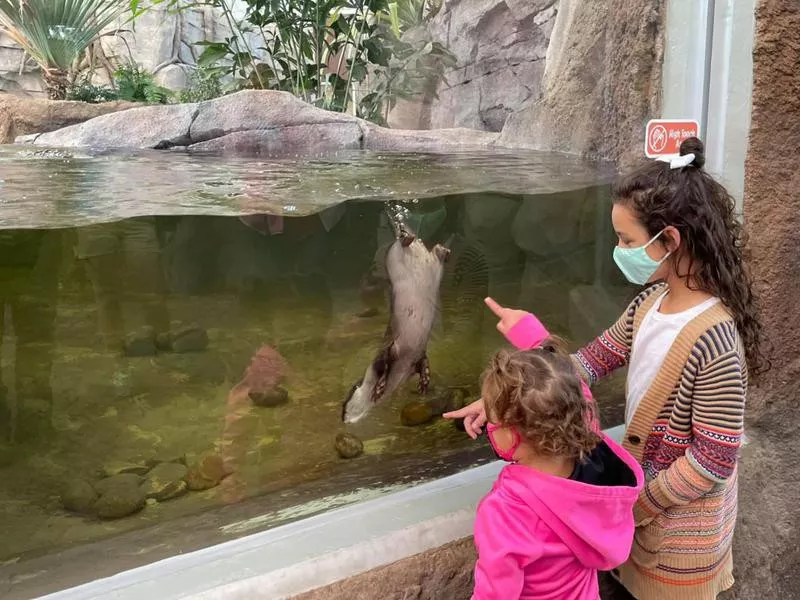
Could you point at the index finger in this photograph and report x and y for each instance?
(494, 307)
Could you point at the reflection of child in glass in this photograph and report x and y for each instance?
(563, 508)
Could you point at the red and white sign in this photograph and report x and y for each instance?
(664, 136)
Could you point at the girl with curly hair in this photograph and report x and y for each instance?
(691, 339)
(563, 508)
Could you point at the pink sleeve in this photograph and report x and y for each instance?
(500, 538)
(527, 333)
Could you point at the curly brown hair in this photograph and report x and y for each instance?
(712, 238)
(538, 393)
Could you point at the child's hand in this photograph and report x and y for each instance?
(508, 316)
(474, 416)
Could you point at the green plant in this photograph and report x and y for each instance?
(204, 84)
(406, 14)
(404, 77)
(135, 84)
(55, 32)
(325, 51)
(83, 90)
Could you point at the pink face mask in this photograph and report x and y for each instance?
(506, 455)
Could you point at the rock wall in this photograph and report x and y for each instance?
(564, 75)
(444, 572)
(601, 84)
(161, 41)
(164, 42)
(768, 557)
(500, 46)
(16, 74)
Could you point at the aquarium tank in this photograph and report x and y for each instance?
(179, 336)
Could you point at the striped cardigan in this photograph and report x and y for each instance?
(686, 433)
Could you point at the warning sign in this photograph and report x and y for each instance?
(664, 136)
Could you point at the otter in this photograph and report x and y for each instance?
(415, 274)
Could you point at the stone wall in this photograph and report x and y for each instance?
(766, 550)
(500, 46)
(162, 42)
(16, 74)
(602, 82)
(564, 75)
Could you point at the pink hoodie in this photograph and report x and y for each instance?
(541, 537)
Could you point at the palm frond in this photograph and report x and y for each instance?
(55, 32)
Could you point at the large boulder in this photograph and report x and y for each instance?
(258, 110)
(297, 139)
(145, 127)
(254, 123)
(436, 140)
(25, 116)
(601, 84)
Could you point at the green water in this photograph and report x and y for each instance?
(85, 391)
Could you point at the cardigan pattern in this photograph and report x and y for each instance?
(686, 433)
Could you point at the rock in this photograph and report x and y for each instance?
(119, 502)
(159, 126)
(602, 83)
(348, 446)
(154, 462)
(457, 400)
(172, 77)
(26, 139)
(445, 399)
(207, 473)
(766, 553)
(183, 340)
(172, 490)
(439, 140)
(254, 122)
(270, 398)
(257, 110)
(117, 481)
(500, 48)
(125, 468)
(321, 138)
(165, 481)
(441, 573)
(79, 496)
(140, 343)
(417, 412)
(27, 116)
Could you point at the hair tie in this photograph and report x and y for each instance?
(678, 162)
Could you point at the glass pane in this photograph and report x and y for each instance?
(174, 374)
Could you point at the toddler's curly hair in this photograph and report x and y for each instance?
(538, 392)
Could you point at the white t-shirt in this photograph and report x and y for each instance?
(653, 341)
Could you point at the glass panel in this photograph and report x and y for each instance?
(202, 359)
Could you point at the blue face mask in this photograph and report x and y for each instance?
(636, 264)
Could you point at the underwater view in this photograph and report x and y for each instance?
(179, 337)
